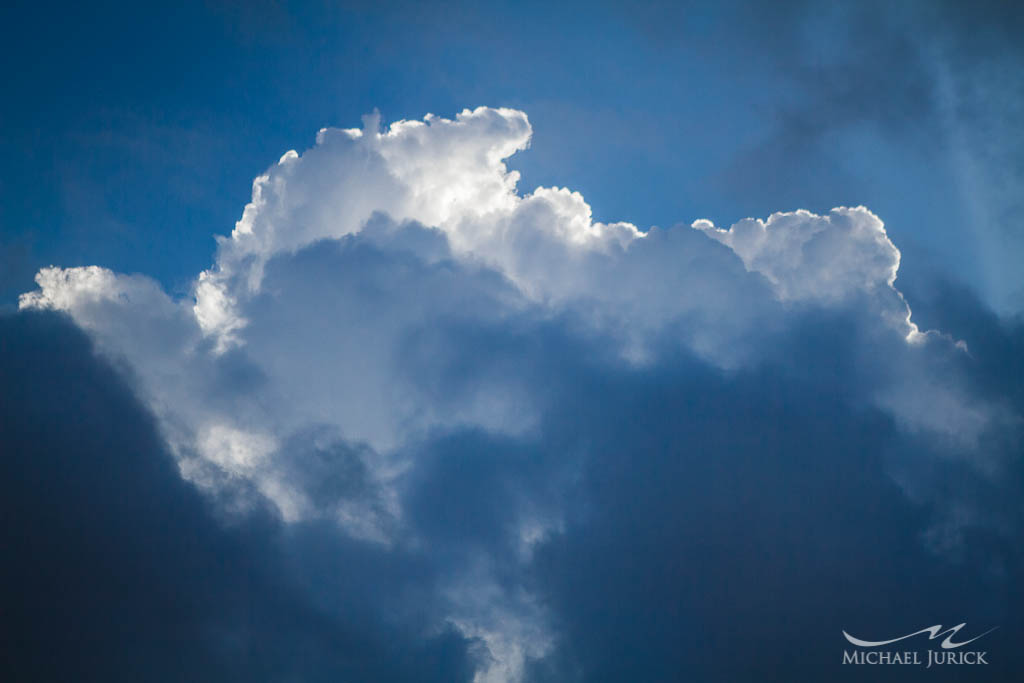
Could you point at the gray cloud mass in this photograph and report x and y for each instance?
(413, 424)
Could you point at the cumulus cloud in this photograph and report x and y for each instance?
(395, 342)
(821, 258)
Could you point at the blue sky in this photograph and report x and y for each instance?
(133, 132)
(510, 342)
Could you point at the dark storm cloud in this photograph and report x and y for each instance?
(735, 526)
(996, 343)
(728, 526)
(115, 569)
(519, 436)
(708, 524)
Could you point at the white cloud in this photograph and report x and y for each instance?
(320, 312)
(821, 258)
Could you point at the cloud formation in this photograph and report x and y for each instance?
(395, 345)
(114, 567)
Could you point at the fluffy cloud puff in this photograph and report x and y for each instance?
(389, 304)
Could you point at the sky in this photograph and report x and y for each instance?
(509, 342)
(132, 132)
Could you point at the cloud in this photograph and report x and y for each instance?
(508, 407)
(822, 258)
(113, 566)
(931, 82)
(731, 522)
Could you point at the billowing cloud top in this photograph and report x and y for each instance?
(385, 289)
